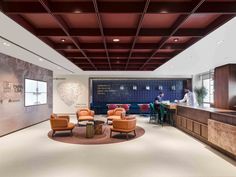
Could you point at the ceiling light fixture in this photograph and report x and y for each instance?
(116, 40)
(164, 11)
(77, 11)
(176, 39)
(6, 44)
(63, 40)
(40, 59)
(220, 42)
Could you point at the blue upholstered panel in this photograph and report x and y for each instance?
(108, 91)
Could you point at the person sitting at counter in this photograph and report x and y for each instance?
(158, 100)
(188, 97)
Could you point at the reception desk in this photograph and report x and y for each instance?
(216, 127)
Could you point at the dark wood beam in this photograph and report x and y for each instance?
(23, 22)
(118, 32)
(120, 46)
(218, 7)
(101, 31)
(137, 31)
(46, 4)
(218, 22)
(117, 7)
(117, 54)
(176, 26)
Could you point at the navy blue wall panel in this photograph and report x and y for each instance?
(108, 91)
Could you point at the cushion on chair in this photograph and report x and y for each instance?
(70, 125)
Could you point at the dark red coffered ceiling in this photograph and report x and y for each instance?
(150, 32)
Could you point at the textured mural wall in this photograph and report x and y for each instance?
(14, 115)
(70, 93)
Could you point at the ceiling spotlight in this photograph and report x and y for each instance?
(77, 11)
(40, 59)
(6, 44)
(116, 40)
(176, 39)
(220, 42)
(63, 40)
(164, 11)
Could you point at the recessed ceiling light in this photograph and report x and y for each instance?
(77, 11)
(176, 39)
(164, 11)
(63, 40)
(6, 44)
(116, 40)
(220, 42)
(40, 59)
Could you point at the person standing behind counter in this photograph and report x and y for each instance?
(188, 98)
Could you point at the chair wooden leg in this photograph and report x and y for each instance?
(134, 133)
(71, 133)
(110, 133)
(53, 133)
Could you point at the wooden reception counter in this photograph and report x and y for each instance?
(216, 127)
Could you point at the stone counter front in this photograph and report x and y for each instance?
(222, 135)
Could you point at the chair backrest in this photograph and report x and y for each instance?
(119, 111)
(53, 116)
(52, 120)
(144, 107)
(111, 106)
(125, 124)
(125, 106)
(152, 107)
(83, 112)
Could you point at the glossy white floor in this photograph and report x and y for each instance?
(162, 151)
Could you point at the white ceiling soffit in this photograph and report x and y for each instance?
(20, 43)
(216, 49)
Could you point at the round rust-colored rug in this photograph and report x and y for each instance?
(79, 136)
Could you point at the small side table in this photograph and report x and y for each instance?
(98, 124)
(89, 130)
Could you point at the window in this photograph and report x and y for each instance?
(35, 92)
(208, 83)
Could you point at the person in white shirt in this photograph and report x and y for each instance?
(188, 98)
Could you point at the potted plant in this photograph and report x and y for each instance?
(200, 92)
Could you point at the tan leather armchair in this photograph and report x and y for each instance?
(117, 113)
(85, 114)
(60, 123)
(124, 126)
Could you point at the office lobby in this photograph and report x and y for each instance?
(121, 88)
